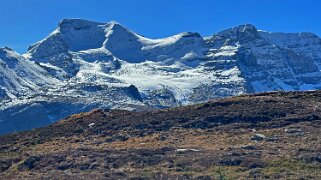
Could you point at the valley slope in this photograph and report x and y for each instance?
(263, 136)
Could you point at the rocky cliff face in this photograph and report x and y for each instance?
(83, 65)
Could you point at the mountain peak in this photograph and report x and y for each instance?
(114, 23)
(5, 49)
(190, 34)
(242, 33)
(245, 28)
(77, 23)
(6, 52)
(115, 26)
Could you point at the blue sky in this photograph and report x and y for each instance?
(23, 22)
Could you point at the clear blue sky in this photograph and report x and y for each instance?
(23, 22)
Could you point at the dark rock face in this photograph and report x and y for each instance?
(3, 94)
(29, 163)
(5, 164)
(161, 98)
(242, 34)
(133, 91)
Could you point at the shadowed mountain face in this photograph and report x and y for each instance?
(263, 136)
(84, 65)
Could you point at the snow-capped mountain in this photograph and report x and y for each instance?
(21, 77)
(83, 65)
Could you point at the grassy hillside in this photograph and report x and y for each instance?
(264, 136)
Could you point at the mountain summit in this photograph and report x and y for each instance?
(83, 65)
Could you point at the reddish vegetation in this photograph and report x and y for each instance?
(271, 135)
